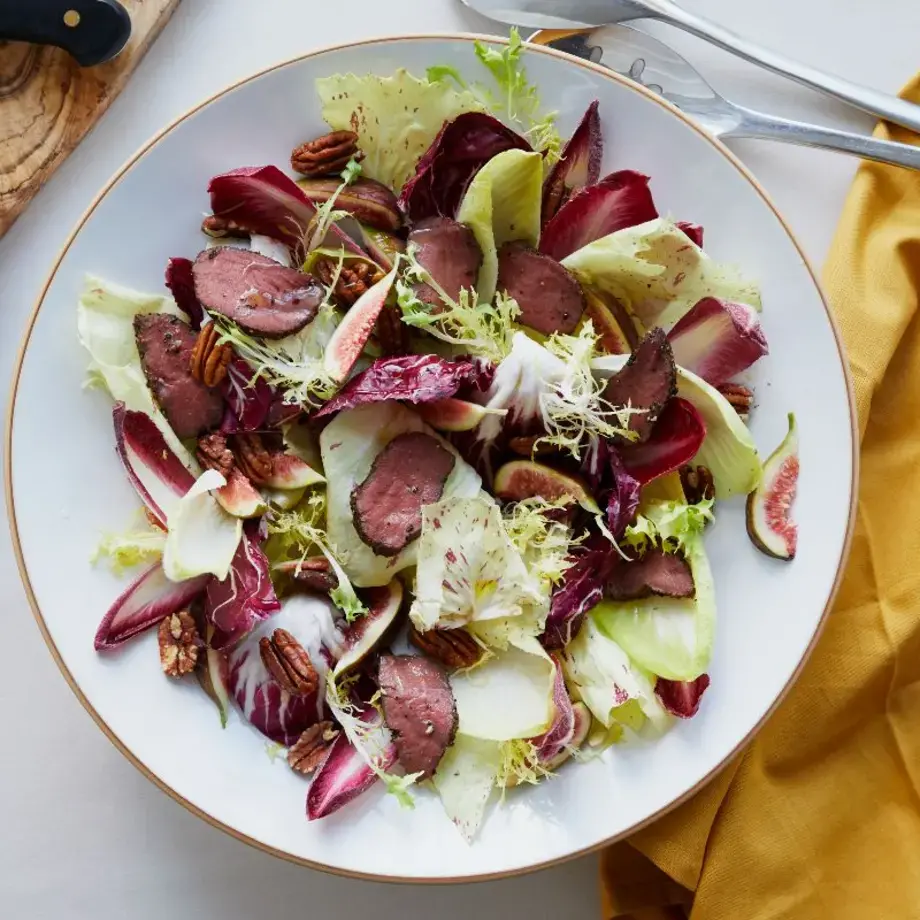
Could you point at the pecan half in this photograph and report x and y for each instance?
(310, 749)
(210, 356)
(454, 648)
(252, 457)
(325, 155)
(353, 280)
(179, 643)
(527, 445)
(697, 483)
(214, 454)
(288, 663)
(222, 227)
(740, 396)
(315, 573)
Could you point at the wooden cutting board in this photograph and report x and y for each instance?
(48, 103)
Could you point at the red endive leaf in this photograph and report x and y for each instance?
(579, 165)
(463, 146)
(620, 200)
(157, 474)
(717, 339)
(144, 603)
(345, 774)
(674, 441)
(553, 742)
(694, 231)
(681, 698)
(181, 285)
(263, 200)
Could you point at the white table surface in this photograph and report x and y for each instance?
(82, 833)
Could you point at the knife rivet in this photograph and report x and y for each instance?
(71, 19)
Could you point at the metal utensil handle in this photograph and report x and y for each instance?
(883, 105)
(756, 124)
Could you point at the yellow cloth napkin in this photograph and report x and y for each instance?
(820, 818)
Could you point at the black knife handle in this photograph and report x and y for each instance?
(91, 30)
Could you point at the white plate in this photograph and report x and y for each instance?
(65, 486)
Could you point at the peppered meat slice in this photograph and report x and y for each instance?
(550, 298)
(654, 573)
(407, 474)
(165, 343)
(419, 708)
(448, 251)
(647, 382)
(262, 296)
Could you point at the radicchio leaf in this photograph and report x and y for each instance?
(144, 603)
(674, 441)
(718, 339)
(619, 200)
(694, 231)
(345, 774)
(181, 285)
(681, 698)
(274, 712)
(463, 146)
(613, 485)
(264, 201)
(245, 596)
(581, 589)
(157, 474)
(580, 164)
(412, 378)
(551, 744)
(248, 400)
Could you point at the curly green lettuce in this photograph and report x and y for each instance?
(130, 548)
(295, 533)
(513, 99)
(293, 364)
(483, 330)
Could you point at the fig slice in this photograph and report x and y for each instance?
(240, 497)
(769, 524)
(363, 635)
(290, 473)
(452, 414)
(616, 329)
(352, 334)
(520, 479)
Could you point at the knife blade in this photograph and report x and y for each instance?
(91, 31)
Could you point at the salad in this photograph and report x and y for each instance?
(427, 441)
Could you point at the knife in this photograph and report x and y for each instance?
(92, 31)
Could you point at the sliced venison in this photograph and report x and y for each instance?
(407, 474)
(419, 708)
(550, 298)
(448, 251)
(165, 344)
(262, 296)
(654, 573)
(647, 382)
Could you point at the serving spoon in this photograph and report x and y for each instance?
(585, 14)
(661, 69)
